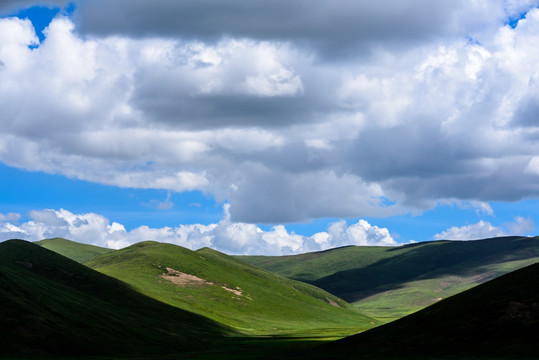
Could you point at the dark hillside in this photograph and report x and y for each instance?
(51, 305)
(389, 282)
(495, 320)
(427, 260)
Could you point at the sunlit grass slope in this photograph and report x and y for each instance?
(496, 320)
(222, 288)
(51, 305)
(73, 250)
(390, 282)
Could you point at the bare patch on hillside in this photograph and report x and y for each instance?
(331, 302)
(182, 279)
(236, 291)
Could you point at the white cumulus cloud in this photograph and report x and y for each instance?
(484, 229)
(520, 226)
(226, 236)
(11, 217)
(432, 102)
(480, 230)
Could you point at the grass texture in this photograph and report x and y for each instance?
(53, 306)
(218, 286)
(387, 283)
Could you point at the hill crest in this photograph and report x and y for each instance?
(52, 305)
(220, 287)
(73, 250)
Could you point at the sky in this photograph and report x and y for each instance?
(273, 128)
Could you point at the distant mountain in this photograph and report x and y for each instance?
(390, 282)
(496, 320)
(216, 285)
(73, 250)
(53, 306)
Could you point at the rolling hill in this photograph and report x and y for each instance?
(73, 250)
(207, 282)
(496, 320)
(390, 282)
(53, 306)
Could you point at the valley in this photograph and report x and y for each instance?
(65, 300)
(390, 282)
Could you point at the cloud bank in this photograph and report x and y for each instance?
(226, 236)
(484, 229)
(342, 28)
(378, 110)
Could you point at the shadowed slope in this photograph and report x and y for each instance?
(52, 305)
(389, 282)
(495, 320)
(222, 288)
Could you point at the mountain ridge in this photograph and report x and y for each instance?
(396, 281)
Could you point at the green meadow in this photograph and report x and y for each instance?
(390, 282)
(218, 286)
(65, 300)
(498, 319)
(73, 250)
(52, 305)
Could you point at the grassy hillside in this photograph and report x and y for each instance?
(390, 282)
(73, 250)
(222, 288)
(51, 305)
(496, 320)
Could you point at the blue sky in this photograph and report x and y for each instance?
(125, 121)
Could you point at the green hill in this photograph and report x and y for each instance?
(224, 289)
(53, 306)
(496, 320)
(73, 250)
(390, 282)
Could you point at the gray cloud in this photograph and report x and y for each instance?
(18, 4)
(243, 83)
(336, 29)
(10, 217)
(270, 126)
(527, 115)
(420, 162)
(7, 6)
(221, 111)
(272, 196)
